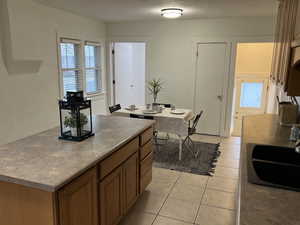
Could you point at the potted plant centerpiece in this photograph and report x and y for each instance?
(71, 122)
(154, 87)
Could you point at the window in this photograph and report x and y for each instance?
(73, 75)
(70, 67)
(251, 94)
(92, 69)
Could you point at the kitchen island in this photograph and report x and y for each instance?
(264, 205)
(47, 181)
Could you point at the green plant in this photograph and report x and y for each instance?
(154, 87)
(70, 120)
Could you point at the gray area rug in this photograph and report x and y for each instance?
(166, 156)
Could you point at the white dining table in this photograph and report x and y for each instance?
(166, 121)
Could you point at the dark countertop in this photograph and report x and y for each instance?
(44, 162)
(262, 205)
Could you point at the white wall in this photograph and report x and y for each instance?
(171, 48)
(254, 59)
(29, 100)
(172, 45)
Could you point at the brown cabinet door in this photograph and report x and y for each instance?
(78, 201)
(111, 198)
(146, 172)
(131, 181)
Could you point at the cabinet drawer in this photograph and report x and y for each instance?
(145, 180)
(146, 164)
(146, 149)
(118, 157)
(146, 136)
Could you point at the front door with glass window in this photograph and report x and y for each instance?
(251, 97)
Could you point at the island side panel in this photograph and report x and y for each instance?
(146, 158)
(20, 205)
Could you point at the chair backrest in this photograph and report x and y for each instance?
(196, 120)
(141, 117)
(166, 105)
(114, 108)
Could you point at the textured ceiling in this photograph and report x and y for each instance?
(136, 10)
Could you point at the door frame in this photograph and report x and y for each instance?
(236, 108)
(234, 40)
(110, 65)
(231, 99)
(222, 126)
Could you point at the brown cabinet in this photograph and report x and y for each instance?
(111, 198)
(118, 157)
(146, 171)
(119, 191)
(78, 201)
(101, 195)
(131, 181)
(146, 136)
(146, 158)
(146, 149)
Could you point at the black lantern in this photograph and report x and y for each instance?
(75, 117)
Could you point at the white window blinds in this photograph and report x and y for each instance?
(92, 52)
(70, 66)
(80, 66)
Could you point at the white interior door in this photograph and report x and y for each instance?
(251, 99)
(129, 73)
(212, 67)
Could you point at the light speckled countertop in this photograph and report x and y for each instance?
(43, 161)
(262, 205)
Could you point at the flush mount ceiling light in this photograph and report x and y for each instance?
(171, 13)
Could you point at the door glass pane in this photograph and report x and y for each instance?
(251, 94)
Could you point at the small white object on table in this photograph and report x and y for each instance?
(166, 121)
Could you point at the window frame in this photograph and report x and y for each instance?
(98, 66)
(62, 70)
(81, 65)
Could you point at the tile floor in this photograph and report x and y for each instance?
(176, 198)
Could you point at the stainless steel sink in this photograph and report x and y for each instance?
(274, 166)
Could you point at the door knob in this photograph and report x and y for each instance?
(131, 85)
(220, 97)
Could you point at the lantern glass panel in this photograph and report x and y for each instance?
(76, 123)
(75, 115)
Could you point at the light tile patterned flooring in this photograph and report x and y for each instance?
(176, 198)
